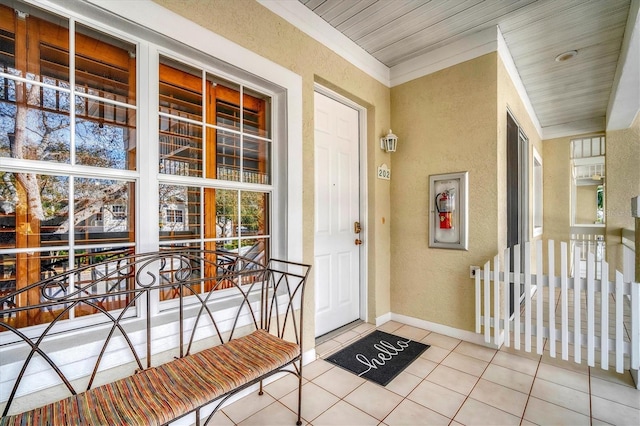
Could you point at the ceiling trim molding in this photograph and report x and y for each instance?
(579, 127)
(317, 28)
(624, 102)
(507, 60)
(465, 49)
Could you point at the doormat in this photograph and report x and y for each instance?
(378, 356)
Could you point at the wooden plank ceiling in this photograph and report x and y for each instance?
(569, 93)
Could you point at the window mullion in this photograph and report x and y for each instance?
(72, 86)
(148, 156)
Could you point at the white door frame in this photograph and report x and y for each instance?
(364, 248)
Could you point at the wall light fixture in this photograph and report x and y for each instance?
(389, 143)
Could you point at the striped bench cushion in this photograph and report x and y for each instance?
(161, 394)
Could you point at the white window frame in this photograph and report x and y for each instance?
(286, 203)
(538, 204)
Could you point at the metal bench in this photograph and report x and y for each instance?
(249, 331)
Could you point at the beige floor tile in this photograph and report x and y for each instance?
(413, 333)
(515, 362)
(282, 386)
(520, 352)
(453, 379)
(409, 413)
(509, 378)
(621, 394)
(274, 414)
(247, 406)
(220, 419)
(566, 364)
(465, 363)
(500, 397)
(443, 383)
(561, 395)
(315, 401)
(346, 337)
(611, 375)
(316, 368)
(364, 328)
(563, 377)
(437, 398)
(477, 413)
(614, 413)
(344, 414)
(476, 351)
(403, 383)
(435, 354)
(545, 413)
(328, 347)
(440, 340)
(421, 367)
(390, 326)
(374, 400)
(338, 381)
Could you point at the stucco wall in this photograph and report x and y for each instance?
(446, 123)
(557, 188)
(254, 27)
(622, 177)
(450, 121)
(622, 182)
(586, 204)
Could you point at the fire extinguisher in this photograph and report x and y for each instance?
(445, 203)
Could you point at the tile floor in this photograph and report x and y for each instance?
(452, 383)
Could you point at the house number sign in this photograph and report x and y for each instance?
(384, 172)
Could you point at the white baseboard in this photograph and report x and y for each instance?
(309, 356)
(383, 318)
(467, 336)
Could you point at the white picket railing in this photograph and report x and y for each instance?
(559, 311)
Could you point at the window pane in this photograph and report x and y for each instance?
(255, 250)
(109, 280)
(106, 142)
(253, 211)
(228, 156)
(225, 112)
(180, 145)
(227, 213)
(20, 270)
(105, 65)
(47, 38)
(255, 160)
(104, 211)
(33, 210)
(180, 90)
(33, 133)
(179, 211)
(257, 113)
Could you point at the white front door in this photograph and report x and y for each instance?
(337, 209)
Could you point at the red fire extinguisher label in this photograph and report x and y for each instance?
(445, 203)
(445, 220)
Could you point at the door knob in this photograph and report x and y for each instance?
(358, 241)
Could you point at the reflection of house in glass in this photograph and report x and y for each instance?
(111, 218)
(174, 209)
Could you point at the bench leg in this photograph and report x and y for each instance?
(299, 422)
(260, 392)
